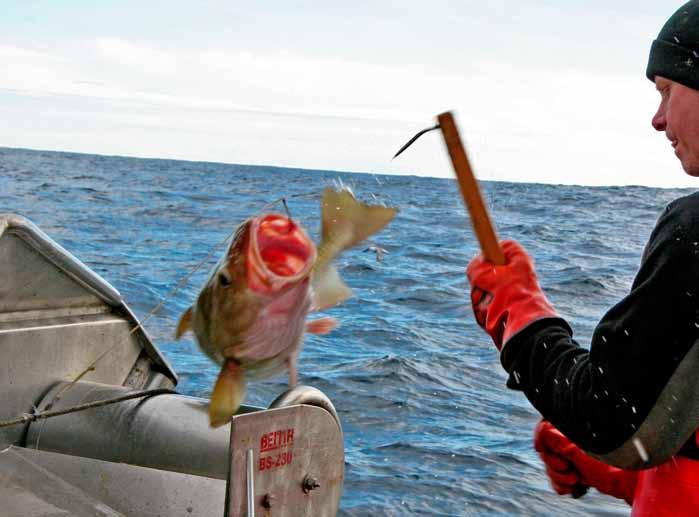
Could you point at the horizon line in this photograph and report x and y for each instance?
(313, 169)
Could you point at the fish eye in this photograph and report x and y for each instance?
(224, 280)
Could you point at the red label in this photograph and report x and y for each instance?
(274, 461)
(274, 441)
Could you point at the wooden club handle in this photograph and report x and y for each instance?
(471, 193)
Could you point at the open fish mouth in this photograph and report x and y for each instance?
(280, 252)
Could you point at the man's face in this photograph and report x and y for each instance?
(678, 116)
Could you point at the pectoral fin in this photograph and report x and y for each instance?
(184, 324)
(321, 325)
(228, 394)
(328, 289)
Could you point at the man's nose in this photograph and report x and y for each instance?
(658, 120)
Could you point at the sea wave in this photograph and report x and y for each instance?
(429, 427)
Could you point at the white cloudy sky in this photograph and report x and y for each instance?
(544, 90)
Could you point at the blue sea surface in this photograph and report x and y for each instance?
(430, 428)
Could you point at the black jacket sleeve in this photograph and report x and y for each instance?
(633, 399)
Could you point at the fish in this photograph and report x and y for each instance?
(250, 316)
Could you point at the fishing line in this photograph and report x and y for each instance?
(46, 412)
(183, 281)
(152, 313)
(37, 415)
(284, 198)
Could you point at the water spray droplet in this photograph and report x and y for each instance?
(641, 449)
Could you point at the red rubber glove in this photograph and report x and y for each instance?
(571, 470)
(506, 298)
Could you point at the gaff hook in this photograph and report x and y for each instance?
(410, 142)
(470, 192)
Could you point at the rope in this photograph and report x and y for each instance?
(37, 415)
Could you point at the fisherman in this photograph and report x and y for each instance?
(623, 416)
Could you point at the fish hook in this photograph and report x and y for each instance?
(286, 208)
(281, 200)
(288, 214)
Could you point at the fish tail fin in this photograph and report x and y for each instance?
(350, 221)
(228, 393)
(185, 323)
(346, 222)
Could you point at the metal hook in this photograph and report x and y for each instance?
(410, 142)
(286, 208)
(288, 215)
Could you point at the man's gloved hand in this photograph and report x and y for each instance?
(506, 298)
(571, 470)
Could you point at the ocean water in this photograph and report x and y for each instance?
(430, 428)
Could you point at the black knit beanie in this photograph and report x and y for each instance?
(675, 53)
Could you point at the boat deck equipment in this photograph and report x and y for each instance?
(149, 451)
